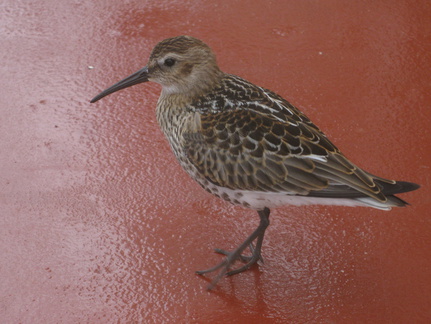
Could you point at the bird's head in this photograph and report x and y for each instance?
(182, 65)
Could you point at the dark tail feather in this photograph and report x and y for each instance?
(389, 189)
(397, 201)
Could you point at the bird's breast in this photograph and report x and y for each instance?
(175, 120)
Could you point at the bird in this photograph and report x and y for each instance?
(248, 145)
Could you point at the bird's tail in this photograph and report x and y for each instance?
(389, 188)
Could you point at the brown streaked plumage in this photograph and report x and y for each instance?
(248, 145)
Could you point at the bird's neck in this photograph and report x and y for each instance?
(171, 112)
(173, 107)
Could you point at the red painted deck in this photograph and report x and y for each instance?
(98, 223)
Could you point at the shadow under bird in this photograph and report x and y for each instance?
(249, 146)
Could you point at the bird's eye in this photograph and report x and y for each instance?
(169, 62)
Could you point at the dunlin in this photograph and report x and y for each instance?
(248, 145)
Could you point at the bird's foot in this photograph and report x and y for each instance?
(232, 257)
(227, 263)
(242, 257)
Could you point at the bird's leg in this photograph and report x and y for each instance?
(236, 254)
(232, 257)
(256, 256)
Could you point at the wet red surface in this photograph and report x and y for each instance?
(98, 222)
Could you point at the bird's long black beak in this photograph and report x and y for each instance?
(137, 77)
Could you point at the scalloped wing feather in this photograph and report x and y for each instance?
(249, 138)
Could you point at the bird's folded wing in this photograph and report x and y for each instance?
(246, 150)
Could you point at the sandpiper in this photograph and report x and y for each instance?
(248, 145)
